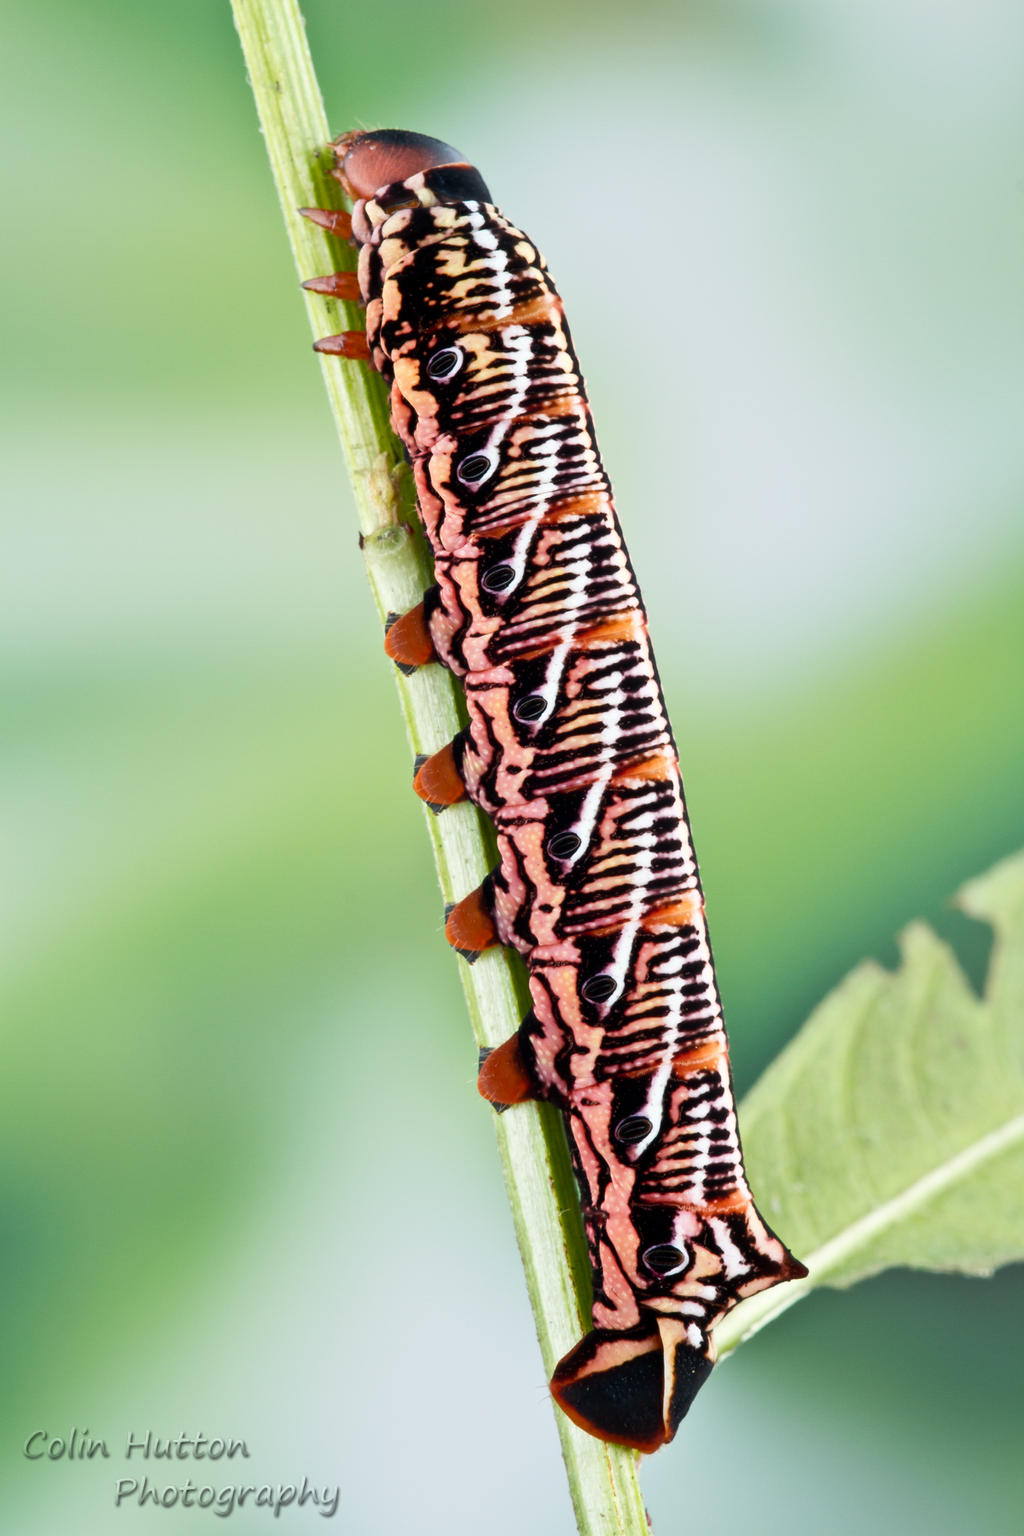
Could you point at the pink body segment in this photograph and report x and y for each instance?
(569, 751)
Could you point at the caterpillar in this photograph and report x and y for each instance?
(535, 608)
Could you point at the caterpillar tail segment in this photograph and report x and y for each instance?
(633, 1388)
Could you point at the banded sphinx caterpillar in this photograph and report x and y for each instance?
(535, 609)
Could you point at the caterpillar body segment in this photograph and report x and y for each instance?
(569, 750)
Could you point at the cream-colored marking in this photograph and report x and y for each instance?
(672, 1333)
(574, 601)
(732, 1257)
(654, 1105)
(693, 1309)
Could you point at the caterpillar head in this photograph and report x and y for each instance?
(391, 168)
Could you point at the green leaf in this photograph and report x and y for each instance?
(891, 1129)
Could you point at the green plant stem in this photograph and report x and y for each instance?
(541, 1189)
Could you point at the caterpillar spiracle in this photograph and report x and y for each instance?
(536, 610)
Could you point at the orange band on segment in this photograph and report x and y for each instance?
(546, 306)
(614, 629)
(438, 781)
(649, 768)
(408, 640)
(725, 1205)
(470, 926)
(587, 505)
(712, 1053)
(622, 626)
(568, 405)
(592, 504)
(684, 912)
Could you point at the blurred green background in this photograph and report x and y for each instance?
(248, 1188)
